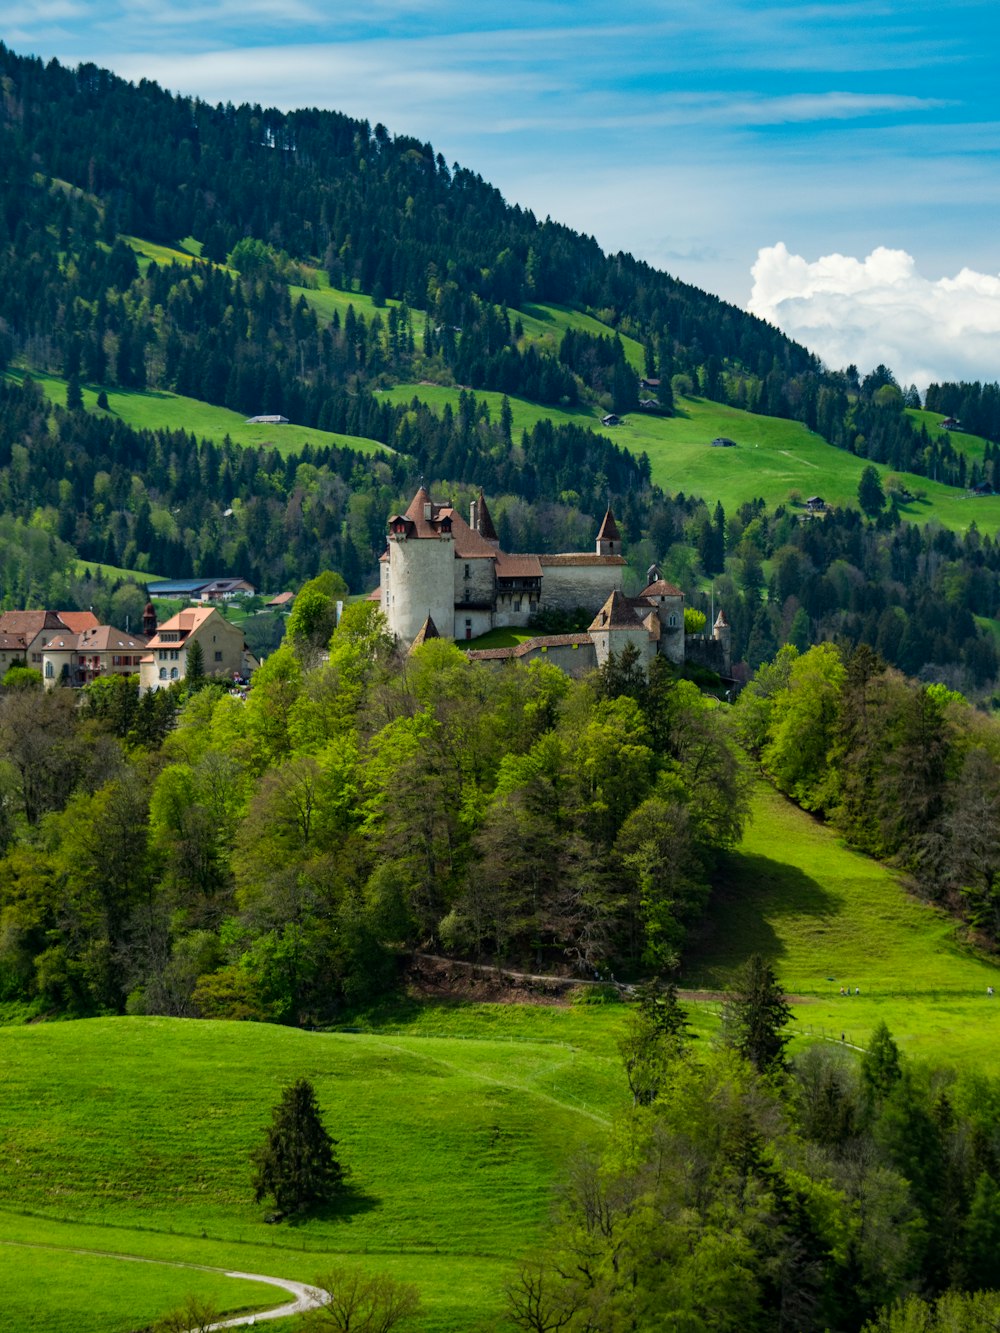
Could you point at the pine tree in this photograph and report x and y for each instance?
(296, 1165)
(754, 1015)
(195, 672)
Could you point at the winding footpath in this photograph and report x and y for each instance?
(306, 1297)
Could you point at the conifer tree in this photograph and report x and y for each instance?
(754, 1015)
(296, 1165)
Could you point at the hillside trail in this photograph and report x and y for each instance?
(306, 1297)
(624, 987)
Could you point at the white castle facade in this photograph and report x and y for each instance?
(443, 577)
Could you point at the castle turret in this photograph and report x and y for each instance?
(149, 620)
(609, 541)
(481, 522)
(418, 569)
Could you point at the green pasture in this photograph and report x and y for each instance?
(121, 1293)
(156, 409)
(546, 324)
(829, 917)
(188, 252)
(773, 457)
(133, 1136)
(114, 573)
(326, 300)
(973, 446)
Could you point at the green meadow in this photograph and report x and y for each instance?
(829, 917)
(773, 457)
(132, 1136)
(156, 409)
(962, 441)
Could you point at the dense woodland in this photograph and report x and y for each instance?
(270, 858)
(89, 158)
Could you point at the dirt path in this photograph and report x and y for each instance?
(558, 984)
(306, 1297)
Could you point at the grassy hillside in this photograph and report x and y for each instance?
(773, 456)
(829, 917)
(453, 1142)
(132, 1136)
(156, 409)
(964, 442)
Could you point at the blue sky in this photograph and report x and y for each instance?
(737, 145)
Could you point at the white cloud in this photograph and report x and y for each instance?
(881, 309)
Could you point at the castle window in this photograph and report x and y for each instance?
(517, 603)
(468, 571)
(673, 622)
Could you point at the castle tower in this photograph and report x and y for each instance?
(149, 620)
(609, 540)
(418, 570)
(614, 626)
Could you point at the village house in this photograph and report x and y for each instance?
(25, 634)
(202, 590)
(101, 650)
(443, 577)
(223, 649)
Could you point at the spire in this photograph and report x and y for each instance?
(609, 541)
(428, 630)
(484, 523)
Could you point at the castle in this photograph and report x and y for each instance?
(443, 577)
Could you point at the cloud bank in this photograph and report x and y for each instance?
(881, 309)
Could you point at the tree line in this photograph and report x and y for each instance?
(909, 772)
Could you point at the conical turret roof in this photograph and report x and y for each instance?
(608, 531)
(486, 528)
(616, 613)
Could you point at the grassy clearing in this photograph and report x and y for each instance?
(501, 638)
(453, 1140)
(156, 409)
(828, 917)
(114, 573)
(546, 324)
(972, 446)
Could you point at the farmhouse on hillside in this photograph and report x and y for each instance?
(443, 577)
(202, 590)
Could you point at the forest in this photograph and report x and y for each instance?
(202, 855)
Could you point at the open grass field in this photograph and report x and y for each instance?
(156, 409)
(773, 457)
(115, 573)
(972, 446)
(454, 1132)
(828, 917)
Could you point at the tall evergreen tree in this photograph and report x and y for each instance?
(755, 1014)
(296, 1165)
